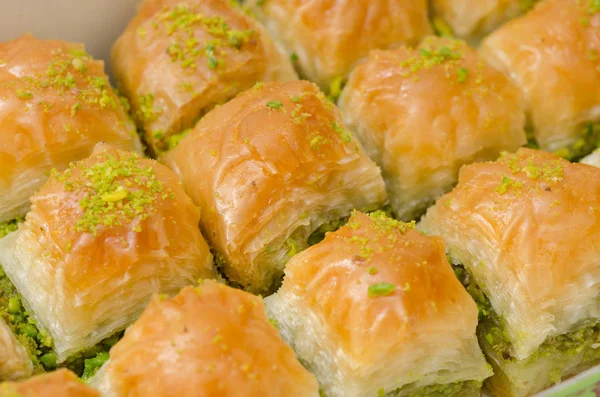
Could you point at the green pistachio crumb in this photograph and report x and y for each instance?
(462, 74)
(506, 183)
(341, 132)
(381, 289)
(114, 191)
(275, 104)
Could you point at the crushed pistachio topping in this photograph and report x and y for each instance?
(543, 174)
(67, 74)
(593, 6)
(341, 132)
(275, 105)
(115, 191)
(181, 22)
(381, 289)
(431, 56)
(462, 74)
(548, 171)
(385, 223)
(507, 183)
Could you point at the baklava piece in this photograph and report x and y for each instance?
(211, 340)
(268, 168)
(524, 234)
(100, 239)
(553, 54)
(375, 310)
(423, 113)
(177, 59)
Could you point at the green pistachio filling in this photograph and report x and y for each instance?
(9, 227)
(588, 142)
(566, 354)
(335, 88)
(37, 342)
(470, 388)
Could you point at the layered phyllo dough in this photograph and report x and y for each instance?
(100, 239)
(375, 310)
(471, 20)
(55, 104)
(211, 340)
(327, 38)
(553, 54)
(268, 168)
(422, 113)
(61, 383)
(179, 58)
(592, 159)
(525, 234)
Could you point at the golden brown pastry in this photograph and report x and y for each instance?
(526, 229)
(179, 58)
(553, 54)
(375, 310)
(328, 37)
(471, 20)
(268, 168)
(423, 113)
(211, 340)
(61, 383)
(100, 239)
(55, 105)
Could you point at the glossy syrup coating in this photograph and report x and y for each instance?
(527, 227)
(552, 53)
(329, 37)
(55, 105)
(100, 238)
(267, 169)
(423, 113)
(211, 340)
(61, 383)
(367, 306)
(178, 59)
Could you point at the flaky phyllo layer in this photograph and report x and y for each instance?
(555, 359)
(526, 228)
(100, 238)
(268, 168)
(354, 308)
